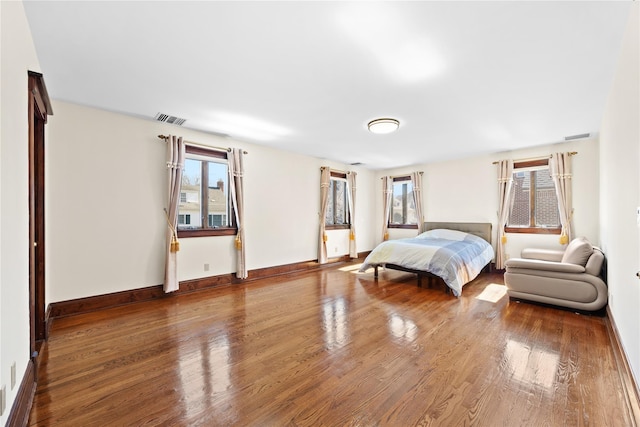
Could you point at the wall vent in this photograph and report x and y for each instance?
(161, 117)
(580, 136)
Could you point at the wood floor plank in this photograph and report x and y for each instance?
(331, 347)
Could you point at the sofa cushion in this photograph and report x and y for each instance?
(594, 265)
(578, 251)
(543, 254)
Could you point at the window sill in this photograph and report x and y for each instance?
(337, 227)
(407, 226)
(207, 232)
(532, 230)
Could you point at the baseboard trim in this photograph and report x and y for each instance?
(47, 322)
(296, 267)
(629, 383)
(101, 302)
(19, 415)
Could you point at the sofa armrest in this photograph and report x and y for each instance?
(535, 264)
(543, 254)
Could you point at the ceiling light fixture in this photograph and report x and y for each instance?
(383, 125)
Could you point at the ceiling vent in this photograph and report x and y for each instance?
(356, 164)
(161, 117)
(580, 136)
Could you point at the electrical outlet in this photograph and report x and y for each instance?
(206, 267)
(3, 399)
(13, 375)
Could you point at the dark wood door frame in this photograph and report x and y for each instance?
(39, 108)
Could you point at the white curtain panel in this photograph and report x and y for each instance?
(387, 191)
(505, 183)
(416, 181)
(560, 169)
(325, 177)
(175, 165)
(351, 194)
(235, 159)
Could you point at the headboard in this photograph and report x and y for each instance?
(480, 229)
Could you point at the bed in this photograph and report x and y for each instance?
(456, 252)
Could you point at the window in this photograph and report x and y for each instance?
(337, 215)
(403, 204)
(216, 220)
(205, 204)
(534, 203)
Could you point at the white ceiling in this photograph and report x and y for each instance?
(463, 78)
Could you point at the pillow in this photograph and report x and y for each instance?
(442, 233)
(578, 252)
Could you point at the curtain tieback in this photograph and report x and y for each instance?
(352, 236)
(325, 237)
(175, 244)
(564, 236)
(238, 242)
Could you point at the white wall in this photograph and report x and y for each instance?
(18, 56)
(2, 376)
(620, 189)
(106, 171)
(466, 190)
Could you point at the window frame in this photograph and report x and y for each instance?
(186, 218)
(339, 176)
(405, 204)
(205, 230)
(532, 229)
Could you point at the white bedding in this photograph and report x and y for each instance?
(454, 256)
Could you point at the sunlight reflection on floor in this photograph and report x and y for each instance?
(493, 293)
(532, 366)
(403, 328)
(353, 268)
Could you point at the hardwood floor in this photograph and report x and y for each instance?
(333, 348)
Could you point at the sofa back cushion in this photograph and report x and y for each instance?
(578, 251)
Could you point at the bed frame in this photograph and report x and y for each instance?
(480, 229)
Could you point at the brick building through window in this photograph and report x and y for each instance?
(534, 203)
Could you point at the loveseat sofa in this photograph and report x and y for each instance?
(571, 278)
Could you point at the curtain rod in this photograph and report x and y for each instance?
(402, 176)
(334, 170)
(195, 144)
(571, 153)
